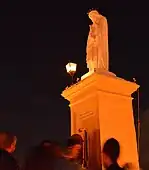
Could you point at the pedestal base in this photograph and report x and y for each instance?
(102, 104)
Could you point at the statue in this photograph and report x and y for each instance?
(97, 43)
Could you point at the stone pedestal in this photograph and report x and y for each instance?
(102, 105)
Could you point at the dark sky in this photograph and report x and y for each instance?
(37, 40)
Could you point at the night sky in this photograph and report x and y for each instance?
(37, 40)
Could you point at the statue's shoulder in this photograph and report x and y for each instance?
(103, 22)
(104, 19)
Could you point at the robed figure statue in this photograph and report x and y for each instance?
(97, 44)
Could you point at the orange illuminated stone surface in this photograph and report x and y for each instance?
(103, 105)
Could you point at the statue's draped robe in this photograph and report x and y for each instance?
(97, 45)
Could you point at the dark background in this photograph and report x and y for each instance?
(37, 40)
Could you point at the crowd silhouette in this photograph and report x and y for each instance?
(50, 155)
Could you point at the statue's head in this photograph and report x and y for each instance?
(94, 15)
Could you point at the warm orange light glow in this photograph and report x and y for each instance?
(71, 68)
(102, 104)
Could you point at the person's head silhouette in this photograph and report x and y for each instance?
(8, 142)
(111, 152)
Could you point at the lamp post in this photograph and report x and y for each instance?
(71, 70)
(85, 147)
(138, 117)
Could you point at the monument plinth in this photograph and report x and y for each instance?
(102, 105)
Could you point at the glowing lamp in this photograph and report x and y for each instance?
(71, 69)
